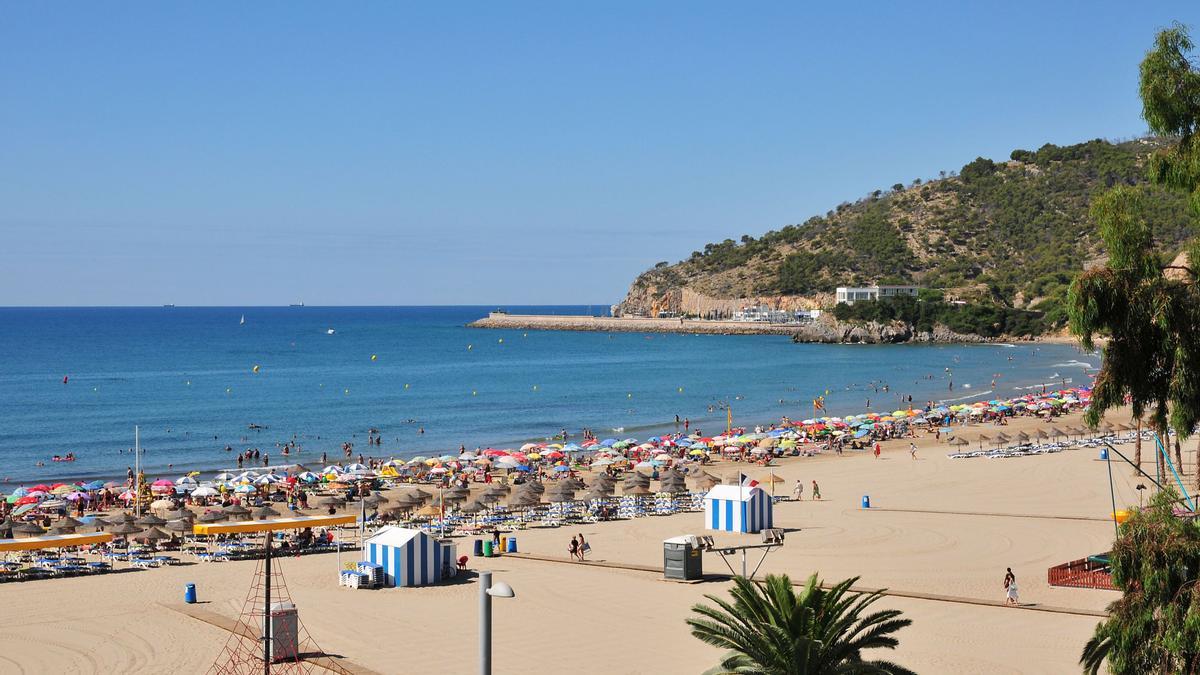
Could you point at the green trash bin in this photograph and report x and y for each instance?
(487, 548)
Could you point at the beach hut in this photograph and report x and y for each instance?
(733, 508)
(409, 557)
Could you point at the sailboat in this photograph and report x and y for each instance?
(243, 321)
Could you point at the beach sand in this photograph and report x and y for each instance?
(938, 527)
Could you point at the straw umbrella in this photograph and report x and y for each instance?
(1042, 435)
(181, 526)
(150, 520)
(959, 442)
(982, 438)
(212, 517)
(1022, 436)
(62, 528)
(68, 522)
(122, 517)
(264, 512)
(180, 514)
(152, 535)
(126, 529)
(236, 511)
(31, 529)
(774, 480)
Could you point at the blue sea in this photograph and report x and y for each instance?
(186, 376)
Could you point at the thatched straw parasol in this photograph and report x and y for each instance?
(31, 529)
(179, 526)
(180, 514)
(236, 510)
(124, 528)
(212, 517)
(153, 534)
(264, 512)
(150, 520)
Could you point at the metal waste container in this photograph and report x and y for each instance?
(682, 558)
(285, 630)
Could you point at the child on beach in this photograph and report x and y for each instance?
(816, 491)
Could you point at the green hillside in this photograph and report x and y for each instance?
(1009, 233)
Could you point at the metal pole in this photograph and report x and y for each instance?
(1112, 493)
(267, 609)
(485, 624)
(743, 562)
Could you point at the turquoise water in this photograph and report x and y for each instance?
(185, 376)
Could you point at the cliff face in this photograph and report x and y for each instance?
(832, 331)
(1009, 233)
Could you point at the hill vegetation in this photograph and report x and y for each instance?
(1009, 234)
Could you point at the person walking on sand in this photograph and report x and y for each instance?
(584, 547)
(816, 491)
(573, 548)
(912, 449)
(876, 449)
(1010, 588)
(798, 491)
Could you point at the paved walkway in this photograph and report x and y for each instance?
(859, 589)
(993, 515)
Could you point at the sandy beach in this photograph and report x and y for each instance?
(939, 535)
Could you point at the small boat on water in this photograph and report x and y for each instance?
(297, 304)
(330, 331)
(243, 321)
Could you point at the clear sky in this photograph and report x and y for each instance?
(500, 152)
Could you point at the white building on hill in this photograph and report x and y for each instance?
(851, 294)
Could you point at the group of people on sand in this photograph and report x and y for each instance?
(578, 547)
(798, 491)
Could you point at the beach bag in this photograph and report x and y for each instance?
(586, 547)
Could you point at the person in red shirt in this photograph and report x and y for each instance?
(877, 450)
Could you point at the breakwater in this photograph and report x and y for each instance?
(623, 324)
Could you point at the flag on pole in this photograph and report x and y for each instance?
(747, 481)
(728, 419)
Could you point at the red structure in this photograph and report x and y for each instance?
(255, 647)
(1091, 572)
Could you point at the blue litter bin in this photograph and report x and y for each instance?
(478, 548)
(512, 544)
(866, 501)
(1104, 453)
(189, 593)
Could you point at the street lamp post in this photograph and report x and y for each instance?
(486, 592)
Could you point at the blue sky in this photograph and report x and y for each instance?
(482, 153)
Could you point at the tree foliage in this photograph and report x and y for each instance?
(924, 315)
(1153, 354)
(1155, 626)
(769, 629)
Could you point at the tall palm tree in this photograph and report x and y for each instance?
(769, 629)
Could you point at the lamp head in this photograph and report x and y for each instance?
(501, 589)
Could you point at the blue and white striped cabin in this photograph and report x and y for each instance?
(732, 508)
(409, 557)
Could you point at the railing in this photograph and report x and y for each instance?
(1081, 573)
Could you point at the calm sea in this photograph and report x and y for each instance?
(186, 377)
